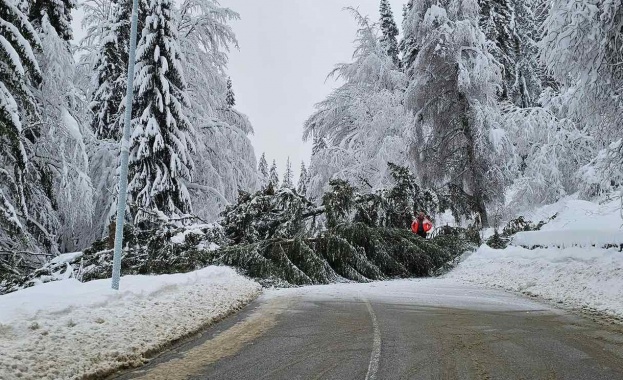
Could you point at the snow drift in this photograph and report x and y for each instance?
(69, 329)
(570, 265)
(568, 238)
(582, 278)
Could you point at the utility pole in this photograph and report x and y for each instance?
(125, 152)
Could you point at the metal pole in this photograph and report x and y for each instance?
(125, 151)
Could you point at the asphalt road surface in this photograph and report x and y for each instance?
(426, 329)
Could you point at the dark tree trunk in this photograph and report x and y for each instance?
(475, 175)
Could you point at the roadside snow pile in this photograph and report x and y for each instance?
(568, 238)
(577, 215)
(68, 329)
(586, 278)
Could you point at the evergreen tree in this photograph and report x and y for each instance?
(389, 39)
(273, 177)
(288, 176)
(18, 70)
(510, 26)
(262, 169)
(495, 22)
(318, 144)
(160, 161)
(58, 12)
(408, 45)
(231, 97)
(530, 77)
(303, 180)
(110, 72)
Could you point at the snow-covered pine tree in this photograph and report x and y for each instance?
(273, 177)
(231, 97)
(18, 70)
(497, 23)
(104, 61)
(288, 176)
(510, 26)
(110, 71)
(408, 45)
(389, 30)
(453, 94)
(529, 74)
(262, 171)
(301, 188)
(58, 13)
(160, 161)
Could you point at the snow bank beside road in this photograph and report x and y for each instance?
(575, 214)
(587, 278)
(568, 238)
(67, 329)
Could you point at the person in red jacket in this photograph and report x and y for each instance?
(421, 225)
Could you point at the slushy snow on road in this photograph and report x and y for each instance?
(67, 329)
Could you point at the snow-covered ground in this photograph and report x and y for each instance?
(583, 277)
(575, 214)
(67, 329)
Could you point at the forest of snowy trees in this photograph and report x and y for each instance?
(61, 114)
(480, 107)
(516, 103)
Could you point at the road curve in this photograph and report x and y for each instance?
(420, 329)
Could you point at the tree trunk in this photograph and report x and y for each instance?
(475, 178)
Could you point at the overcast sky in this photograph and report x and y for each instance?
(287, 48)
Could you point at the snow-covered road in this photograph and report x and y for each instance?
(419, 329)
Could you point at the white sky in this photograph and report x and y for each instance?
(287, 48)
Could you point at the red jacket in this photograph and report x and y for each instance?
(428, 225)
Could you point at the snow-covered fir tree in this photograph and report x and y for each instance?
(389, 30)
(19, 70)
(497, 23)
(510, 27)
(160, 160)
(408, 45)
(288, 176)
(58, 13)
(231, 97)
(301, 187)
(110, 70)
(262, 171)
(46, 169)
(105, 54)
(453, 94)
(530, 76)
(273, 176)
